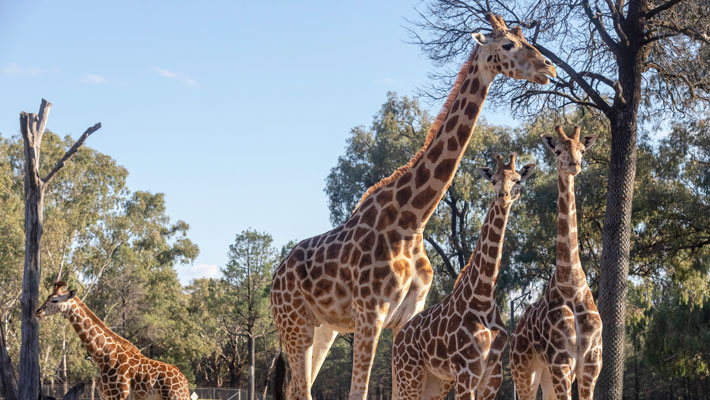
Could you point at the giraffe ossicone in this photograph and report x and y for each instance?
(372, 272)
(558, 338)
(459, 342)
(123, 370)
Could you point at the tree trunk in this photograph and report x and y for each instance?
(32, 128)
(250, 387)
(8, 381)
(615, 254)
(64, 360)
(616, 232)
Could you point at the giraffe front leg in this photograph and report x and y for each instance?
(488, 388)
(561, 376)
(116, 389)
(368, 326)
(393, 368)
(493, 375)
(466, 385)
(588, 368)
(468, 376)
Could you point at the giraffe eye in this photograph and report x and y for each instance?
(508, 46)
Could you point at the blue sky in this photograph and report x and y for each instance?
(235, 110)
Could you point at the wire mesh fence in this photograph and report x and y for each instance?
(203, 393)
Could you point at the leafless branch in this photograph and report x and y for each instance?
(447, 263)
(595, 19)
(665, 6)
(70, 153)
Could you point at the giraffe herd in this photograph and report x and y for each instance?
(372, 273)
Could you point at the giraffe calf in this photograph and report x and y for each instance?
(558, 338)
(122, 368)
(459, 341)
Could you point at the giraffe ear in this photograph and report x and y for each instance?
(486, 173)
(479, 38)
(526, 171)
(72, 293)
(588, 141)
(549, 142)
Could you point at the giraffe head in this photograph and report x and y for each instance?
(505, 51)
(58, 301)
(569, 149)
(506, 181)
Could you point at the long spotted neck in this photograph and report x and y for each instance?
(93, 333)
(569, 271)
(431, 175)
(476, 283)
(409, 197)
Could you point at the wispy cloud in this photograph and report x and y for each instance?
(17, 70)
(91, 78)
(176, 75)
(384, 81)
(204, 271)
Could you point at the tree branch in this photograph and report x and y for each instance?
(663, 7)
(556, 93)
(70, 153)
(599, 27)
(593, 94)
(449, 268)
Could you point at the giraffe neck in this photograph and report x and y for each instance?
(89, 328)
(433, 172)
(569, 268)
(476, 283)
(415, 189)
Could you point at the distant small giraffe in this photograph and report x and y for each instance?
(559, 337)
(461, 339)
(372, 272)
(122, 368)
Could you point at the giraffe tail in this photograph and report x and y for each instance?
(280, 372)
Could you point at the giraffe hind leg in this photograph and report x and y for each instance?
(299, 350)
(323, 338)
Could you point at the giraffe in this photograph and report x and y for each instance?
(372, 271)
(461, 339)
(122, 367)
(559, 336)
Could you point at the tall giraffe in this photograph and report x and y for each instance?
(122, 368)
(372, 272)
(461, 339)
(559, 336)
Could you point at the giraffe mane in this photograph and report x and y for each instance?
(436, 125)
(463, 270)
(96, 320)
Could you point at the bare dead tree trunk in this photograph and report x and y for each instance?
(32, 127)
(8, 381)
